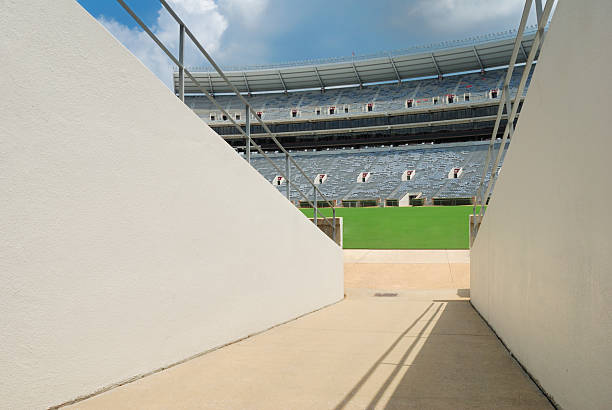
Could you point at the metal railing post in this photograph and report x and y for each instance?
(314, 204)
(537, 41)
(510, 121)
(288, 173)
(513, 108)
(247, 126)
(181, 72)
(334, 224)
(517, 43)
(538, 4)
(249, 109)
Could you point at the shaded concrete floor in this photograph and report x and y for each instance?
(424, 348)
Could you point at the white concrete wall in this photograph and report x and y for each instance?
(120, 250)
(405, 200)
(541, 265)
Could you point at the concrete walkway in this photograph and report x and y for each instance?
(421, 346)
(407, 269)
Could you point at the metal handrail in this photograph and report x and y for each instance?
(185, 30)
(238, 94)
(502, 103)
(511, 109)
(510, 124)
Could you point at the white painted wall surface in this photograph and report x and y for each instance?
(120, 250)
(405, 200)
(541, 265)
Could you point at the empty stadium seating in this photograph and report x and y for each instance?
(432, 163)
(383, 97)
(386, 165)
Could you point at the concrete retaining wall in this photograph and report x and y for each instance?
(121, 251)
(326, 226)
(541, 263)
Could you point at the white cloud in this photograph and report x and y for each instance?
(201, 16)
(455, 16)
(248, 12)
(243, 32)
(471, 11)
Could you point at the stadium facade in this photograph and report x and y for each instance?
(444, 92)
(383, 105)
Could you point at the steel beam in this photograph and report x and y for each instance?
(319, 77)
(537, 41)
(523, 51)
(436, 65)
(282, 82)
(334, 224)
(542, 21)
(357, 75)
(478, 59)
(397, 74)
(246, 83)
(315, 207)
(480, 198)
(212, 90)
(181, 60)
(508, 111)
(247, 129)
(288, 173)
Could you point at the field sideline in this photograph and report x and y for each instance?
(439, 227)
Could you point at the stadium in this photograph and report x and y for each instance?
(419, 228)
(405, 129)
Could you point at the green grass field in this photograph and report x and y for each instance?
(440, 227)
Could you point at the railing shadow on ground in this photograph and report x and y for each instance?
(453, 360)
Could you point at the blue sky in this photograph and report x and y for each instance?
(250, 32)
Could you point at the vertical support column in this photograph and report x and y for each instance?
(181, 58)
(247, 125)
(538, 7)
(510, 124)
(334, 224)
(314, 203)
(288, 174)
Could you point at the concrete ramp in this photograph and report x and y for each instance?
(132, 236)
(541, 263)
(391, 344)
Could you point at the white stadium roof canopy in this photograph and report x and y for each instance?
(477, 53)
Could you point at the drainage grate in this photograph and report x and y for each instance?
(385, 295)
